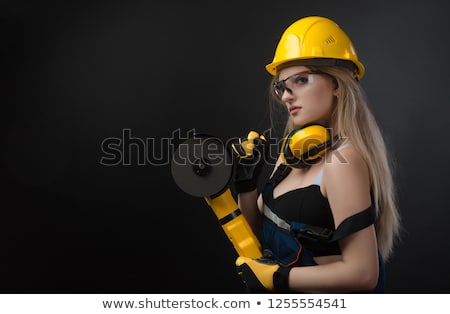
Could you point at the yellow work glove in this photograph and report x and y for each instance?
(263, 275)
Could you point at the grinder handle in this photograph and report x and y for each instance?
(235, 225)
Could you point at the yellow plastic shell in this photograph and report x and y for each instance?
(314, 37)
(235, 226)
(305, 139)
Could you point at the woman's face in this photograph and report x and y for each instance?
(309, 97)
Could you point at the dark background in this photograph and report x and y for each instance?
(76, 74)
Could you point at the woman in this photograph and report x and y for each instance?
(344, 194)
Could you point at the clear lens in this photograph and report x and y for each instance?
(279, 88)
(297, 79)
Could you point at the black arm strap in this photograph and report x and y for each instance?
(355, 223)
(350, 225)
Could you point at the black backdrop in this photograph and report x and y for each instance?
(73, 76)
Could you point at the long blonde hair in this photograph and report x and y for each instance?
(353, 119)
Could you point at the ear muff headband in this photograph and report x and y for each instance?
(304, 147)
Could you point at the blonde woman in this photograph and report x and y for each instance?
(327, 219)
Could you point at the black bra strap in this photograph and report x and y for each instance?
(281, 173)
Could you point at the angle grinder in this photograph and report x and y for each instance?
(202, 166)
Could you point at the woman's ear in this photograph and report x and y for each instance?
(336, 92)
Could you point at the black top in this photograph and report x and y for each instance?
(306, 205)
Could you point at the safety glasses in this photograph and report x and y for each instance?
(297, 79)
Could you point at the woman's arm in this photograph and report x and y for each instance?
(347, 186)
(251, 205)
(247, 203)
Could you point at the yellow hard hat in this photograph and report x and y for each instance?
(316, 40)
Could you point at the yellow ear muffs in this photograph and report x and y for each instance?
(305, 146)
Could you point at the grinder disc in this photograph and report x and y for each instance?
(202, 166)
